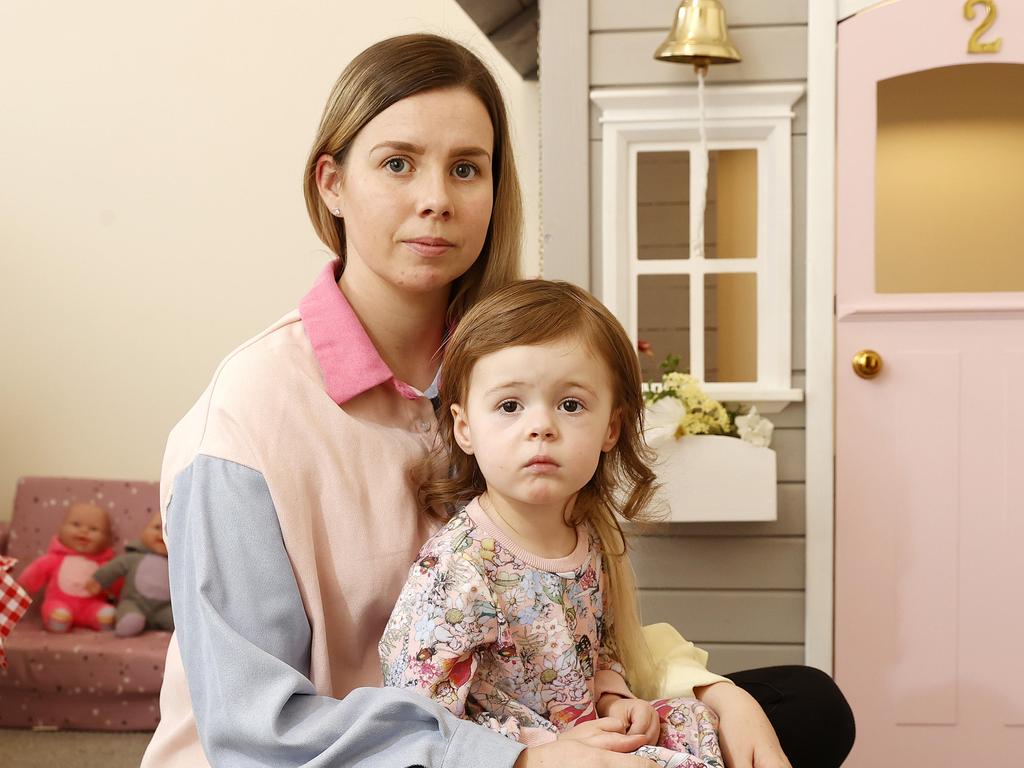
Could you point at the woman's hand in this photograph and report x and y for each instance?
(744, 733)
(608, 733)
(570, 753)
(637, 716)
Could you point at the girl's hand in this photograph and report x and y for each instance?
(608, 733)
(639, 717)
(744, 733)
(570, 753)
(93, 587)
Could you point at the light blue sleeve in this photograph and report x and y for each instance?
(245, 644)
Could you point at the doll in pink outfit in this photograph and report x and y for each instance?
(82, 545)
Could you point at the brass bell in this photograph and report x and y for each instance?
(699, 36)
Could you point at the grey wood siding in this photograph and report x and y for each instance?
(769, 54)
(611, 15)
(775, 616)
(735, 589)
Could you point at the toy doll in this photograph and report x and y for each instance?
(82, 545)
(146, 597)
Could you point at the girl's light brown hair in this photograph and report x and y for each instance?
(537, 312)
(384, 74)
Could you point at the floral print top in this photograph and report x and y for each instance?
(500, 636)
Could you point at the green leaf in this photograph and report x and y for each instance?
(670, 364)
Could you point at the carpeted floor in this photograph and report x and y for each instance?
(71, 749)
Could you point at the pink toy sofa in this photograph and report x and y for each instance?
(82, 680)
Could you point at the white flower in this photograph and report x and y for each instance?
(755, 429)
(661, 423)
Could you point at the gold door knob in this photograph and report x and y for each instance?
(867, 363)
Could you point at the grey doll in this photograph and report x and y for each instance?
(146, 596)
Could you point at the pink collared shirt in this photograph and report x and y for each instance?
(309, 415)
(348, 359)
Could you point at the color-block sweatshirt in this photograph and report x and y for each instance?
(291, 522)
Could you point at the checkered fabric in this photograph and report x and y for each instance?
(14, 601)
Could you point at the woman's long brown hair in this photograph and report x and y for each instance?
(384, 74)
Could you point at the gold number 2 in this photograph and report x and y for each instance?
(974, 45)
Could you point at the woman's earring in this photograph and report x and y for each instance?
(336, 211)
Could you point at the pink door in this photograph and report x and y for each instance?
(929, 601)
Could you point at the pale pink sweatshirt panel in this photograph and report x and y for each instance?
(339, 477)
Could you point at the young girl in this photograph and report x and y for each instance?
(520, 612)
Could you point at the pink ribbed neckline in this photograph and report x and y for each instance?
(569, 563)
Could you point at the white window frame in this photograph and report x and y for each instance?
(755, 117)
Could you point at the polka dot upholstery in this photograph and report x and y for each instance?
(82, 680)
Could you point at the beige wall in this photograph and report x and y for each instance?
(151, 213)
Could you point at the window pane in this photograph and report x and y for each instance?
(663, 321)
(730, 327)
(730, 223)
(949, 180)
(663, 205)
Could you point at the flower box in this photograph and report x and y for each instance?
(711, 478)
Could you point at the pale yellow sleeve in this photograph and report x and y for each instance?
(679, 665)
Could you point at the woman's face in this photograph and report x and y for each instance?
(416, 191)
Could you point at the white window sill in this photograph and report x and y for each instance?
(765, 399)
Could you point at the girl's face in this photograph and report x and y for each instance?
(416, 191)
(537, 419)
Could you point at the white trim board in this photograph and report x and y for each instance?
(748, 102)
(564, 45)
(822, 23)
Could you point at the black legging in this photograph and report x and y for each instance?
(808, 711)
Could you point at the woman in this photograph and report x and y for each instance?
(290, 513)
